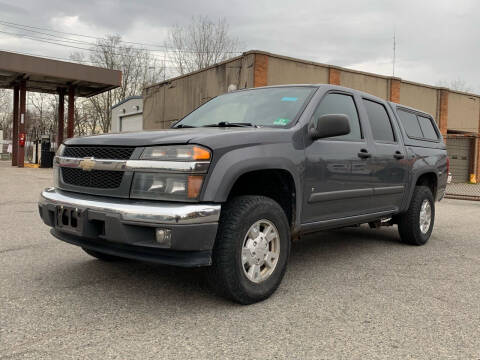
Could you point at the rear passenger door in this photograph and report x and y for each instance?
(389, 163)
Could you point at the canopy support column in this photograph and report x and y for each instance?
(21, 125)
(15, 126)
(71, 111)
(61, 116)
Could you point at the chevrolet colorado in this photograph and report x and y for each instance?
(233, 182)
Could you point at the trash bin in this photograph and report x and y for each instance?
(47, 157)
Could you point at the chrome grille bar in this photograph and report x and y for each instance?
(88, 164)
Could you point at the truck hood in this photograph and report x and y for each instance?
(204, 136)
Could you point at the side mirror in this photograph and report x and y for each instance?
(330, 125)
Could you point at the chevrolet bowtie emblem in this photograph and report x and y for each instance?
(87, 164)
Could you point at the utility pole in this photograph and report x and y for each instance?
(394, 53)
(164, 66)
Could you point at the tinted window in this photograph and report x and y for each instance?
(427, 128)
(341, 104)
(379, 121)
(410, 123)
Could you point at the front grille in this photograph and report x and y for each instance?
(99, 152)
(93, 179)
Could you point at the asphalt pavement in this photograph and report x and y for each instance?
(354, 293)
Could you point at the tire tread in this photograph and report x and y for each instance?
(408, 222)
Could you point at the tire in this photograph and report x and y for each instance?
(234, 251)
(102, 256)
(409, 223)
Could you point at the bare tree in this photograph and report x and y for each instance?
(5, 113)
(139, 68)
(200, 44)
(42, 119)
(457, 84)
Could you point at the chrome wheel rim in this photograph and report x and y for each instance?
(425, 216)
(260, 251)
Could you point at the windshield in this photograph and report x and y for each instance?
(275, 107)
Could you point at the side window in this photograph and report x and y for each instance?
(379, 121)
(410, 123)
(427, 128)
(341, 104)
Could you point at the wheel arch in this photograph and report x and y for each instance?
(428, 177)
(225, 179)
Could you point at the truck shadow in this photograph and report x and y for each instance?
(172, 285)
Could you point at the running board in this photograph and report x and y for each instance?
(346, 221)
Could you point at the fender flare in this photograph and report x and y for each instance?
(233, 165)
(414, 182)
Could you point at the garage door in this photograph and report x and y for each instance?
(459, 150)
(131, 123)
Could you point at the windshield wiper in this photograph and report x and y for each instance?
(183, 126)
(233, 124)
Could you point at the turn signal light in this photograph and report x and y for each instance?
(194, 186)
(200, 153)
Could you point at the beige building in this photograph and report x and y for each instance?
(457, 113)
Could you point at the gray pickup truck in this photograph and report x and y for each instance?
(232, 183)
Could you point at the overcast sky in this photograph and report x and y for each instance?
(437, 40)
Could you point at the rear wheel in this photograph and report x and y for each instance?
(102, 256)
(416, 225)
(251, 250)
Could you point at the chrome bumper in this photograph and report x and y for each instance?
(133, 210)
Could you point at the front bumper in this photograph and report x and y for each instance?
(126, 228)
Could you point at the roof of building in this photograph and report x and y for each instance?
(127, 99)
(47, 75)
(261, 52)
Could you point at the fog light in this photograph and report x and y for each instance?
(163, 237)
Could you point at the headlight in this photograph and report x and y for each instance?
(176, 185)
(60, 150)
(176, 153)
(56, 170)
(163, 186)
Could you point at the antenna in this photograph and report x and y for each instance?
(394, 53)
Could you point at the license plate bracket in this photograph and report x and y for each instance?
(69, 219)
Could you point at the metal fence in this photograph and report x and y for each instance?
(463, 191)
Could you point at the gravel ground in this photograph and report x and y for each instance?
(354, 294)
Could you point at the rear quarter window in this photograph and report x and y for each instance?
(410, 123)
(417, 126)
(427, 128)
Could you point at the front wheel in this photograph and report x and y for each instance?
(416, 225)
(251, 250)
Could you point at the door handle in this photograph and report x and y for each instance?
(364, 154)
(398, 155)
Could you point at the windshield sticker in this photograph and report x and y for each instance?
(286, 98)
(281, 121)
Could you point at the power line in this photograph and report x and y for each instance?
(74, 34)
(43, 40)
(28, 27)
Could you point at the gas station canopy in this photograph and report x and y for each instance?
(23, 73)
(47, 75)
